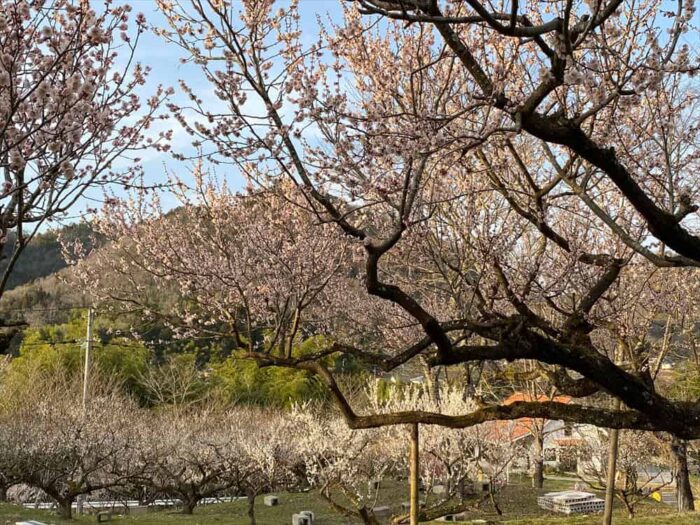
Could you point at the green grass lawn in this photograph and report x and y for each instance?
(517, 501)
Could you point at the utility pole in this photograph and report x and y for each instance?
(414, 466)
(88, 348)
(86, 378)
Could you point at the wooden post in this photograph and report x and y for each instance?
(414, 469)
(612, 470)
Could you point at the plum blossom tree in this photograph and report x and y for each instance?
(68, 110)
(189, 455)
(9, 464)
(176, 382)
(269, 453)
(192, 453)
(350, 467)
(489, 181)
(637, 471)
(451, 459)
(263, 275)
(347, 466)
(547, 171)
(66, 451)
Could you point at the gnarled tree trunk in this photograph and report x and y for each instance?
(538, 461)
(367, 516)
(188, 504)
(251, 507)
(684, 491)
(65, 507)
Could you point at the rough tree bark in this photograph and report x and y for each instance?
(251, 507)
(188, 504)
(65, 507)
(538, 461)
(684, 491)
(368, 517)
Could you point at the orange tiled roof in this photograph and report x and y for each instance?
(524, 426)
(526, 396)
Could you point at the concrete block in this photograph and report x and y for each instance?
(453, 517)
(271, 501)
(382, 511)
(308, 514)
(300, 519)
(481, 486)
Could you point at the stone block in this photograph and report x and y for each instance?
(453, 517)
(382, 511)
(481, 486)
(309, 514)
(300, 519)
(271, 501)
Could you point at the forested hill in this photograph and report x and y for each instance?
(42, 257)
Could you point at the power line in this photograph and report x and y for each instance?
(76, 342)
(52, 309)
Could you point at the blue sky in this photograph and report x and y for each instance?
(164, 60)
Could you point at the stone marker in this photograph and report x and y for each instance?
(309, 514)
(453, 517)
(481, 486)
(374, 484)
(271, 501)
(439, 489)
(382, 511)
(31, 522)
(300, 519)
